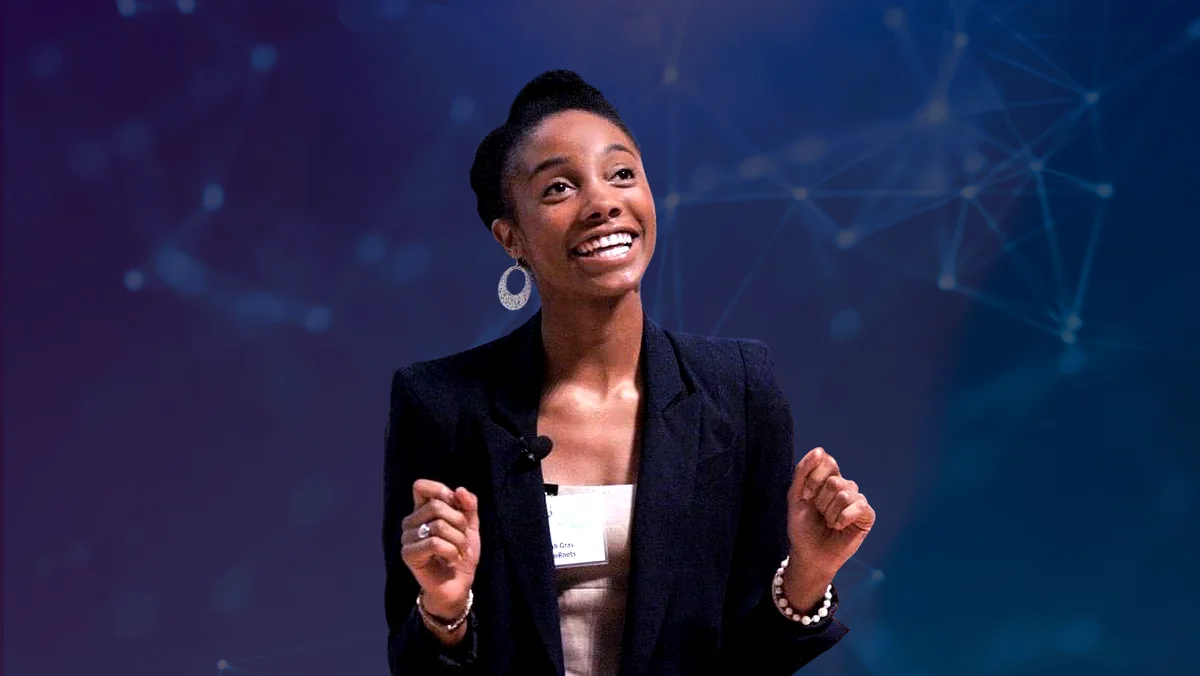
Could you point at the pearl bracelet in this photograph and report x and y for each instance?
(785, 608)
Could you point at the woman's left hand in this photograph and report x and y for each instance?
(828, 518)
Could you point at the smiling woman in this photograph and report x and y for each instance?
(669, 531)
(563, 189)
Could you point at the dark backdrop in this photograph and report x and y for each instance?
(966, 229)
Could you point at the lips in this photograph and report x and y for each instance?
(612, 245)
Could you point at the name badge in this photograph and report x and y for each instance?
(577, 535)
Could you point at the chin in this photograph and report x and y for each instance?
(613, 287)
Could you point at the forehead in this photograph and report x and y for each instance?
(572, 134)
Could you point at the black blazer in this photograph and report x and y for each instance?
(709, 516)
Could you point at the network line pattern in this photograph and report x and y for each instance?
(967, 152)
(967, 157)
(1006, 160)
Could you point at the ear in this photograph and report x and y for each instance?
(509, 236)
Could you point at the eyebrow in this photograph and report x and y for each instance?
(559, 160)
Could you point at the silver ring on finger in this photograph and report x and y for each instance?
(423, 531)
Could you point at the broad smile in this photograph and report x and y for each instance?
(614, 246)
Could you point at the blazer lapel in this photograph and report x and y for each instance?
(666, 473)
(517, 484)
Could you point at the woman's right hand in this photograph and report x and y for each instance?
(444, 562)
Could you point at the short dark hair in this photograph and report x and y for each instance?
(551, 92)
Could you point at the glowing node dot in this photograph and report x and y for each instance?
(46, 62)
(134, 280)
(936, 111)
(673, 200)
(846, 325)
(961, 40)
(877, 576)
(263, 58)
(1072, 322)
(127, 7)
(186, 6)
(970, 191)
(800, 193)
(809, 149)
(213, 197)
(317, 320)
(947, 281)
(222, 665)
(1036, 166)
(393, 9)
(1193, 31)
(894, 18)
(670, 75)
(1068, 336)
(753, 167)
(1104, 190)
(1091, 97)
(974, 162)
(371, 249)
(461, 109)
(846, 238)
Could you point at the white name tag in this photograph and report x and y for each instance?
(577, 535)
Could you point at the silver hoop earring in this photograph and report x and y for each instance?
(510, 300)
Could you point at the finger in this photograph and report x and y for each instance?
(804, 468)
(825, 467)
(423, 552)
(425, 489)
(830, 489)
(435, 509)
(469, 504)
(439, 529)
(837, 504)
(858, 513)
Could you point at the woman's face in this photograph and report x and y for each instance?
(584, 215)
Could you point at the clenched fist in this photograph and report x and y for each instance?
(828, 519)
(440, 545)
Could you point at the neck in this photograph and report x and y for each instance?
(594, 344)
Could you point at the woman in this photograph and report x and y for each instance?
(592, 494)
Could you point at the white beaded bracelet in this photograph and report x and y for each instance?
(786, 609)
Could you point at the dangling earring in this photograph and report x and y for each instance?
(507, 298)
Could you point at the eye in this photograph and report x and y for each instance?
(625, 174)
(556, 188)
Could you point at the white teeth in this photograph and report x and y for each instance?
(619, 241)
(613, 252)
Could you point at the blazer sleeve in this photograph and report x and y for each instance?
(411, 442)
(755, 629)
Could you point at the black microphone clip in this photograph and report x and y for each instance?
(536, 449)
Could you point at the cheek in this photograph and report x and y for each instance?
(545, 232)
(646, 212)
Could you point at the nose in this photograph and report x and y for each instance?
(603, 205)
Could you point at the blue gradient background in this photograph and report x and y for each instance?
(966, 229)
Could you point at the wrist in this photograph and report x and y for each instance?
(805, 586)
(811, 614)
(443, 610)
(449, 630)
